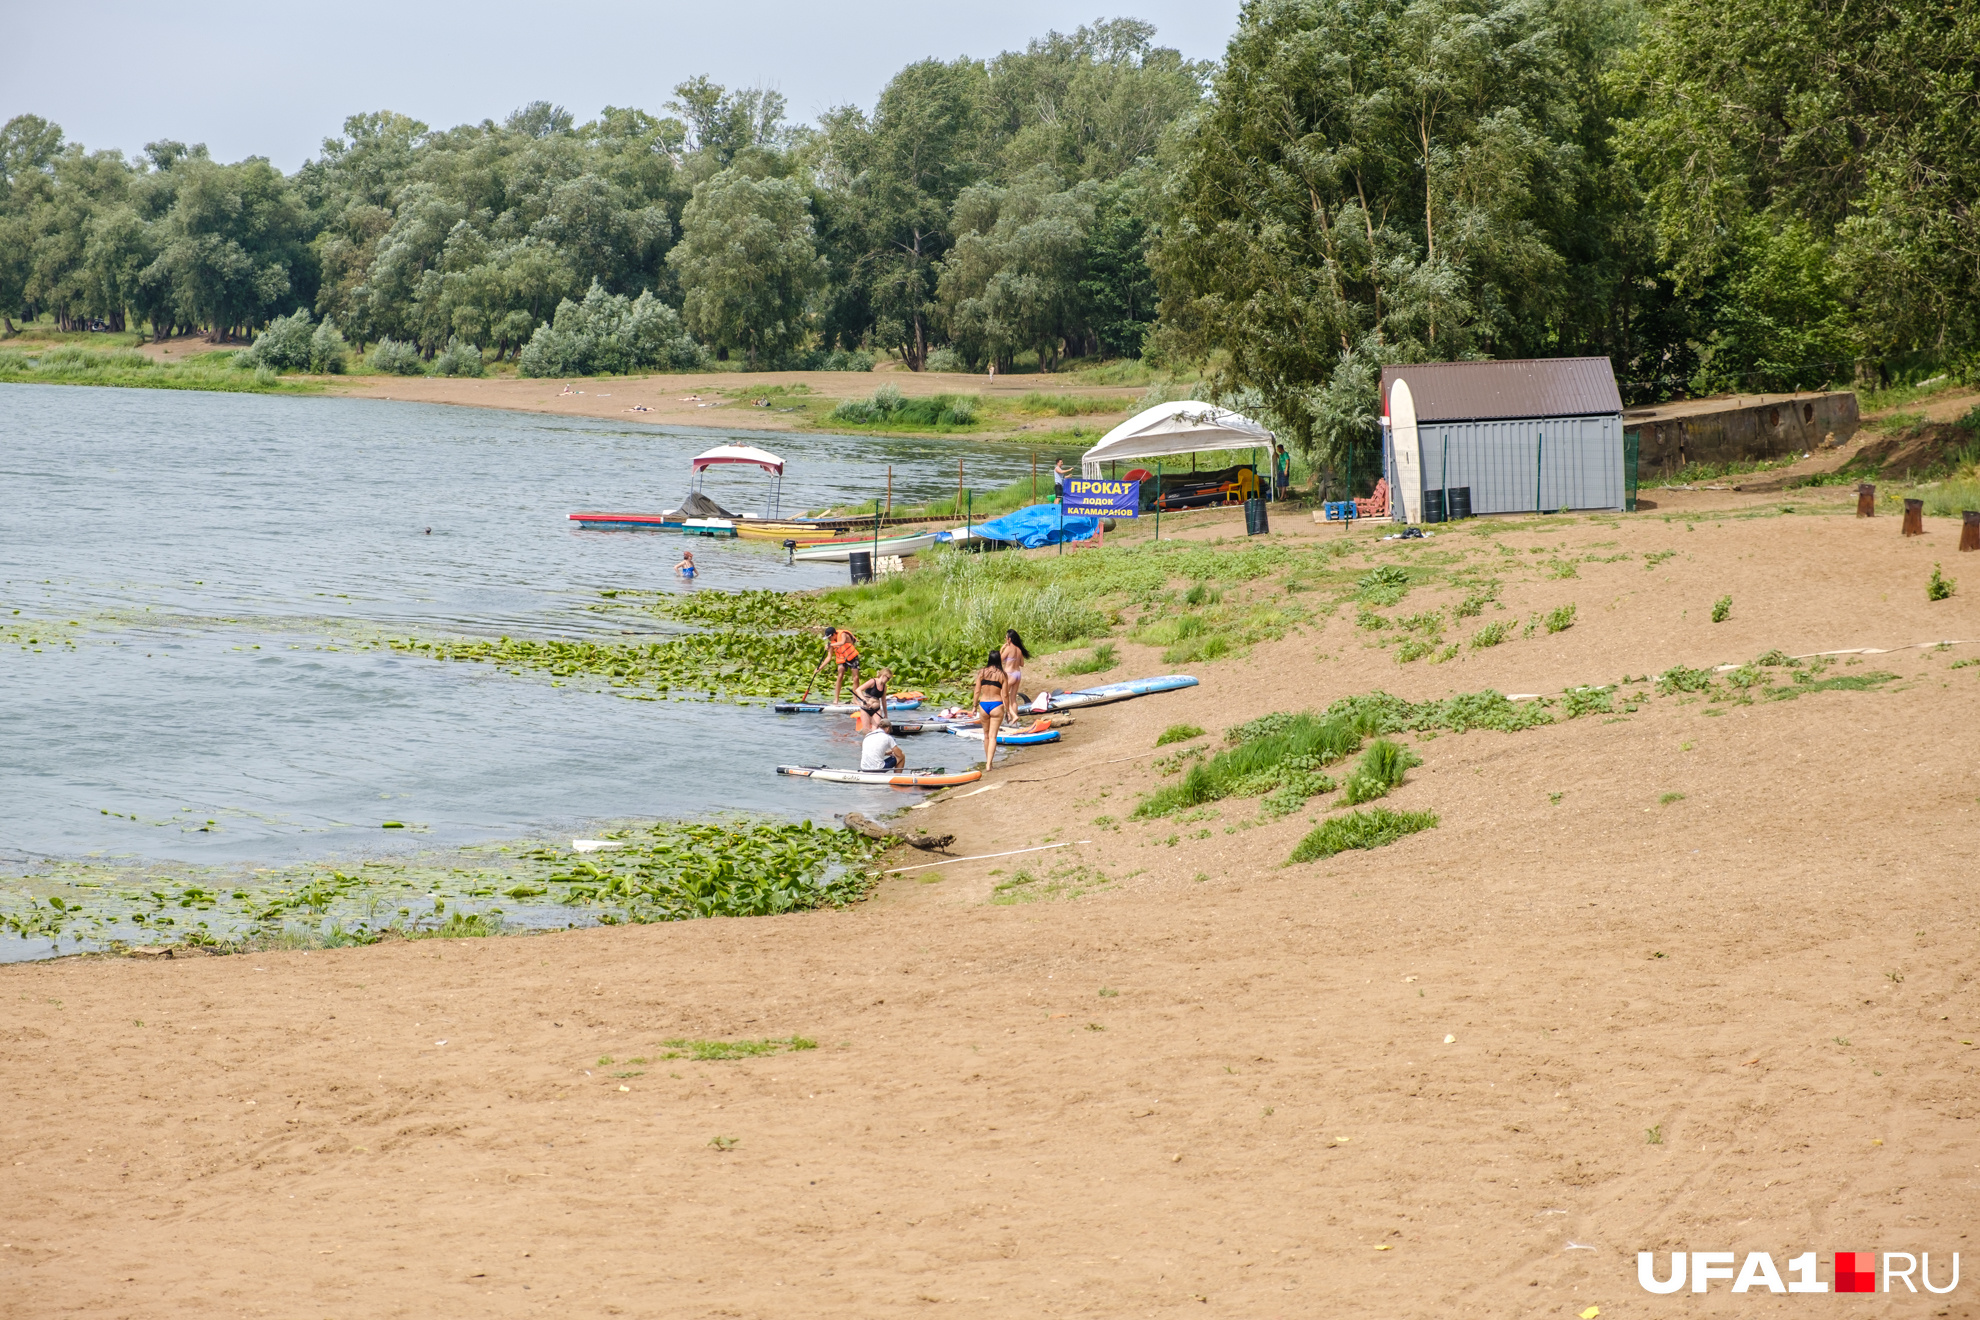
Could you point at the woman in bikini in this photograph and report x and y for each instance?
(1014, 655)
(871, 698)
(992, 686)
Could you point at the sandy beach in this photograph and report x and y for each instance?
(727, 400)
(1474, 1072)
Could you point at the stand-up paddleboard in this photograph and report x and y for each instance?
(813, 708)
(1011, 739)
(1106, 692)
(936, 778)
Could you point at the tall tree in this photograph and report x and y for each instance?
(1813, 172)
(1014, 280)
(1375, 181)
(748, 263)
(886, 187)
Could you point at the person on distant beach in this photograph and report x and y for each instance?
(992, 687)
(1013, 655)
(566, 390)
(878, 751)
(686, 567)
(871, 697)
(841, 648)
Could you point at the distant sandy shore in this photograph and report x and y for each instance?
(719, 400)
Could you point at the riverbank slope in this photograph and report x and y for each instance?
(1693, 975)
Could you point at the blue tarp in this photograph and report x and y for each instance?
(1036, 526)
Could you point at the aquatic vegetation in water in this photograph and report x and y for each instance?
(668, 871)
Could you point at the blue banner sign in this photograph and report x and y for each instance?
(1085, 498)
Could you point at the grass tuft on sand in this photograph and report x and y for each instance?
(1360, 829)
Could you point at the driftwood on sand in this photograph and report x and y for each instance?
(873, 829)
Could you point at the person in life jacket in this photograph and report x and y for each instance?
(841, 648)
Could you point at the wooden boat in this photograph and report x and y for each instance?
(804, 534)
(838, 552)
(936, 778)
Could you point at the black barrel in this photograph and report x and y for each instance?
(1433, 506)
(862, 566)
(1457, 502)
(1254, 518)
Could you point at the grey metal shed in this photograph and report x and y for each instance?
(1528, 436)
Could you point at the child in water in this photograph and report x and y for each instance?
(686, 567)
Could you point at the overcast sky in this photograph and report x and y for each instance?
(275, 79)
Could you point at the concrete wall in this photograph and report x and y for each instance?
(1731, 430)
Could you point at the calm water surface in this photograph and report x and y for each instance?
(195, 568)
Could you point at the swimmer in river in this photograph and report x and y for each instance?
(686, 567)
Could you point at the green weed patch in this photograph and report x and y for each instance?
(716, 1051)
(1381, 768)
(1360, 829)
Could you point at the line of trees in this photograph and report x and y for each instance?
(1717, 194)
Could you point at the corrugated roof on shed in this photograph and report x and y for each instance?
(1487, 391)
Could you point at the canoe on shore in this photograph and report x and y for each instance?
(840, 551)
(936, 778)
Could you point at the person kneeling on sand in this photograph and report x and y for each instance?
(879, 751)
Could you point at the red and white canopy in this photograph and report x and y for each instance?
(748, 454)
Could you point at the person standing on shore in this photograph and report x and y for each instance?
(992, 686)
(1013, 655)
(841, 647)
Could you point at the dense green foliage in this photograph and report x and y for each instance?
(1716, 194)
(777, 244)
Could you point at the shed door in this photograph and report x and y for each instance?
(1408, 449)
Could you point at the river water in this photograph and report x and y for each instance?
(186, 580)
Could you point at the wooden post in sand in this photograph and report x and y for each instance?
(1969, 529)
(1914, 518)
(1866, 500)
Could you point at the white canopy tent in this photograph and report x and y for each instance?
(1185, 426)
